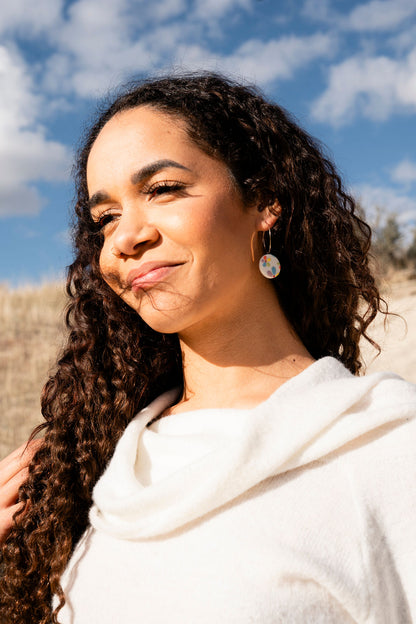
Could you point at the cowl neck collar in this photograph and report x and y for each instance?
(308, 417)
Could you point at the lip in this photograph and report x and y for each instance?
(150, 273)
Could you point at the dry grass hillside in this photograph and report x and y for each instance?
(31, 333)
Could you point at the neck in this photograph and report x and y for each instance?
(240, 360)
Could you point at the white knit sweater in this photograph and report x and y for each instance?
(301, 510)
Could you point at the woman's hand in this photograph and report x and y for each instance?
(13, 472)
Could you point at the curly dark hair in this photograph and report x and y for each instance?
(113, 364)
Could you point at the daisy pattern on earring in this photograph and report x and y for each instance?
(269, 266)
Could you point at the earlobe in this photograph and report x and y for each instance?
(268, 217)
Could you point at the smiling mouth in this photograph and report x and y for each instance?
(154, 276)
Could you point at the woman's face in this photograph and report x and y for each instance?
(177, 237)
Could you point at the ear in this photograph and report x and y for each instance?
(267, 218)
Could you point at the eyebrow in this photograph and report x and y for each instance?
(152, 168)
(98, 198)
(137, 177)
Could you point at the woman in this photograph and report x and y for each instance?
(262, 480)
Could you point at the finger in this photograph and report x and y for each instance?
(18, 459)
(9, 491)
(21, 454)
(6, 520)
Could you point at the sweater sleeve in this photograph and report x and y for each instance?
(384, 484)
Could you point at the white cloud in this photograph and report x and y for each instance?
(265, 62)
(319, 10)
(262, 62)
(102, 42)
(19, 200)
(209, 9)
(374, 87)
(28, 155)
(404, 172)
(375, 16)
(404, 39)
(167, 9)
(387, 199)
(99, 44)
(29, 18)
(17, 101)
(380, 15)
(25, 152)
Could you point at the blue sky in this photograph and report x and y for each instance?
(345, 69)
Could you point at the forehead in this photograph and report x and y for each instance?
(137, 136)
(143, 125)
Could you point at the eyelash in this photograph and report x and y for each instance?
(101, 222)
(159, 188)
(165, 186)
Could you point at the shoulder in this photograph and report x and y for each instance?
(380, 462)
(381, 475)
(386, 452)
(395, 439)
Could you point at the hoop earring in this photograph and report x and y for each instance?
(269, 265)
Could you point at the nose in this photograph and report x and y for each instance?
(132, 234)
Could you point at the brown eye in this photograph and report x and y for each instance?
(164, 187)
(104, 220)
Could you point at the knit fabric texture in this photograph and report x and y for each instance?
(300, 510)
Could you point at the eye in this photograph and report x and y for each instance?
(103, 220)
(164, 187)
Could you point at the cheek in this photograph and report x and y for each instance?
(215, 222)
(103, 261)
(108, 270)
(223, 234)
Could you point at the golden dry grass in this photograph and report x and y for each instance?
(31, 334)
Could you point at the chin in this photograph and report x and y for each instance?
(164, 314)
(164, 324)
